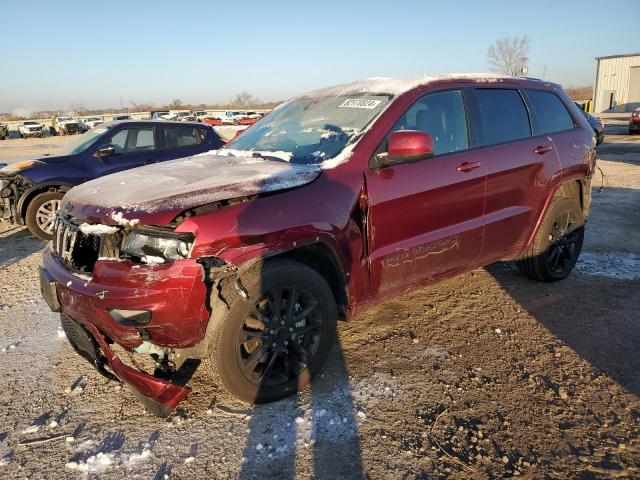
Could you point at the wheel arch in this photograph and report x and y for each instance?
(323, 260)
(37, 189)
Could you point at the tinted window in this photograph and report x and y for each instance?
(503, 115)
(441, 115)
(182, 136)
(550, 113)
(133, 140)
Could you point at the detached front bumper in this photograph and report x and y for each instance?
(175, 294)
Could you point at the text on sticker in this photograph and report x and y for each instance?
(359, 103)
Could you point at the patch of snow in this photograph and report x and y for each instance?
(118, 217)
(31, 429)
(93, 464)
(151, 260)
(186, 182)
(230, 152)
(620, 265)
(137, 457)
(97, 229)
(189, 459)
(399, 85)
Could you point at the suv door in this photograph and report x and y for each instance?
(425, 218)
(182, 141)
(519, 169)
(134, 147)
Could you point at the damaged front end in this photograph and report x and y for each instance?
(133, 289)
(12, 188)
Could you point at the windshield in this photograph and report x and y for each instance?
(81, 143)
(63, 119)
(312, 130)
(93, 119)
(31, 123)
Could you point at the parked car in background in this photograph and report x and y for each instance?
(248, 118)
(201, 115)
(230, 117)
(634, 122)
(31, 128)
(31, 190)
(159, 114)
(118, 118)
(188, 117)
(211, 120)
(4, 131)
(89, 122)
(65, 126)
(597, 125)
(341, 198)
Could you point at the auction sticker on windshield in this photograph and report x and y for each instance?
(359, 103)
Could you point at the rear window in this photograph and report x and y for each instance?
(550, 113)
(182, 136)
(503, 114)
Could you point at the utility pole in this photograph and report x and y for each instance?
(544, 73)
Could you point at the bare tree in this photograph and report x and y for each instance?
(176, 104)
(509, 56)
(244, 98)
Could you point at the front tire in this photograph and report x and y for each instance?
(41, 213)
(271, 345)
(557, 244)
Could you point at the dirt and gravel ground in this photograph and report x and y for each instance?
(487, 375)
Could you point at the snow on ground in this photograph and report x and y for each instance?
(622, 265)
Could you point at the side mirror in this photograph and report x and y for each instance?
(406, 146)
(105, 151)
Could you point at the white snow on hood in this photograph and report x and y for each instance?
(189, 182)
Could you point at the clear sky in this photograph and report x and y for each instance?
(54, 54)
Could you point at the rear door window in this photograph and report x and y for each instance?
(176, 137)
(551, 115)
(442, 115)
(134, 140)
(503, 115)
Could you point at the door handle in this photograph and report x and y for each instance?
(468, 166)
(542, 149)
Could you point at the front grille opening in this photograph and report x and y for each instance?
(80, 251)
(85, 252)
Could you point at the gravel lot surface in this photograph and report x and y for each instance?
(487, 375)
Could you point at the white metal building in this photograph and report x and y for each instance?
(617, 87)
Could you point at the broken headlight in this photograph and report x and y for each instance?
(153, 248)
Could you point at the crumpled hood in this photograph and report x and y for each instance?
(156, 194)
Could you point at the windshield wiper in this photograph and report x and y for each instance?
(268, 157)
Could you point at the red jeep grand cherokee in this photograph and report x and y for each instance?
(343, 197)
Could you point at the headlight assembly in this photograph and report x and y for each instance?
(156, 248)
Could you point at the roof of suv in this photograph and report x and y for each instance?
(398, 85)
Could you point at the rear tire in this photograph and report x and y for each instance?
(264, 349)
(40, 214)
(557, 244)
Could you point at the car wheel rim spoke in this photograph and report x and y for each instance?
(279, 336)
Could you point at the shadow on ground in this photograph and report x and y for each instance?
(605, 333)
(17, 243)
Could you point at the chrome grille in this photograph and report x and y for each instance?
(64, 238)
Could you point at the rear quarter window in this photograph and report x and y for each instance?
(503, 115)
(551, 115)
(182, 136)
